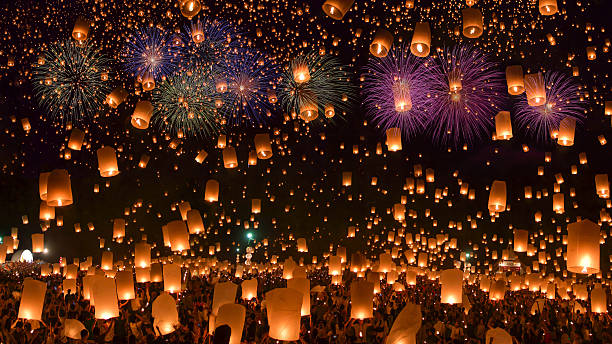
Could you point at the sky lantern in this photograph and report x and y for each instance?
(76, 139)
(421, 40)
(32, 299)
(224, 292)
(38, 242)
(249, 288)
(567, 127)
(142, 114)
(503, 126)
(125, 284)
(394, 139)
(362, 293)
(515, 80)
(498, 290)
(497, 196)
(547, 7)
(232, 315)
(80, 31)
(69, 285)
(211, 194)
(189, 8)
(301, 74)
(329, 111)
(472, 22)
(521, 238)
(399, 212)
(229, 157)
(335, 265)
(107, 161)
(172, 278)
(143, 275)
(256, 205)
(59, 189)
(347, 178)
(599, 302)
(602, 185)
(309, 110)
(336, 9)
(142, 254)
(381, 44)
(263, 146)
(452, 286)
(202, 154)
(46, 212)
(558, 203)
(107, 260)
(116, 97)
(104, 293)
(301, 245)
(535, 89)
(184, 207)
(118, 228)
(194, 221)
(157, 272)
(179, 235)
(284, 306)
(42, 185)
(406, 325)
(164, 313)
(303, 286)
(583, 247)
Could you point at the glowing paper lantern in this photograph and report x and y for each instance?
(189, 8)
(256, 205)
(599, 302)
(535, 89)
(472, 22)
(107, 260)
(497, 196)
(558, 203)
(172, 278)
(381, 44)
(503, 126)
(514, 80)
(547, 7)
(125, 285)
(194, 222)
(362, 293)
(520, 240)
(107, 162)
(421, 40)
(498, 336)
(452, 286)
(394, 139)
(201, 156)
(232, 315)
(303, 286)
(76, 139)
(38, 243)
(602, 185)
(81, 29)
(42, 185)
(406, 325)
(46, 212)
(142, 114)
(567, 127)
(224, 292)
(211, 193)
(301, 245)
(309, 110)
(263, 146)
(142, 255)
(165, 314)
(156, 272)
(229, 157)
(179, 236)
(59, 189)
(284, 313)
(249, 289)
(401, 97)
(104, 294)
(336, 9)
(116, 97)
(498, 290)
(301, 74)
(32, 299)
(583, 247)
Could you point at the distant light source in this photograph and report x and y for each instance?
(250, 235)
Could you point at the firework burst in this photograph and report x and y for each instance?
(207, 42)
(151, 51)
(185, 105)
(466, 91)
(71, 84)
(316, 84)
(250, 78)
(562, 100)
(394, 91)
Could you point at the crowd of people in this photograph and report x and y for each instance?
(329, 323)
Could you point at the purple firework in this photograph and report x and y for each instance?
(394, 91)
(562, 100)
(466, 90)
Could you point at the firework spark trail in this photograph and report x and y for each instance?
(184, 103)
(398, 75)
(250, 77)
(562, 100)
(219, 40)
(151, 51)
(329, 84)
(70, 84)
(463, 115)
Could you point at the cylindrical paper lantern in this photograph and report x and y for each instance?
(497, 196)
(212, 191)
(336, 9)
(249, 289)
(583, 247)
(107, 260)
(224, 292)
(567, 128)
(165, 314)
(303, 286)
(142, 255)
(602, 185)
(535, 89)
(42, 185)
(263, 146)
(32, 299)
(179, 236)
(38, 243)
(520, 240)
(452, 286)
(76, 139)
(599, 302)
(104, 294)
(80, 31)
(107, 162)
(229, 157)
(394, 139)
(232, 315)
(547, 7)
(172, 278)
(503, 126)
(472, 22)
(421, 40)
(283, 306)
(142, 114)
(381, 44)
(362, 294)
(194, 222)
(59, 189)
(125, 284)
(514, 80)
(46, 212)
(116, 97)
